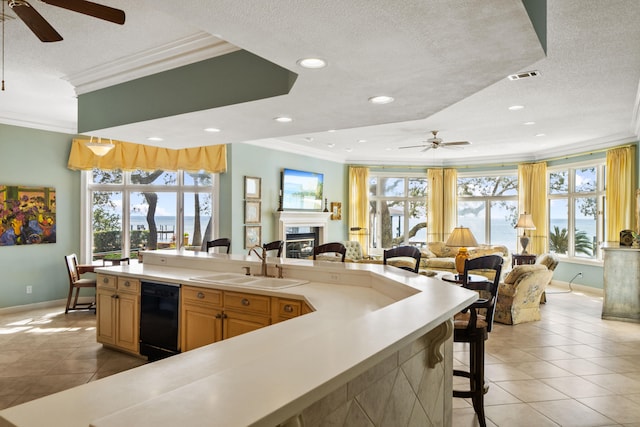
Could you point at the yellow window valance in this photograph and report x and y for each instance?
(128, 156)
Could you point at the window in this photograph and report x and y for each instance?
(129, 211)
(488, 205)
(576, 201)
(398, 209)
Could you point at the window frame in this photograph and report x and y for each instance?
(378, 198)
(571, 196)
(487, 200)
(126, 188)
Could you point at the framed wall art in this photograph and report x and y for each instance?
(252, 212)
(27, 215)
(252, 188)
(252, 236)
(336, 210)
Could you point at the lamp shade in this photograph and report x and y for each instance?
(460, 237)
(525, 221)
(99, 148)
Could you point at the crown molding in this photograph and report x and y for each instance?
(187, 50)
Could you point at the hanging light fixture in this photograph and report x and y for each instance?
(99, 148)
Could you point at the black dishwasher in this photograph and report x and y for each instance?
(159, 308)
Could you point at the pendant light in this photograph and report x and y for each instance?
(99, 148)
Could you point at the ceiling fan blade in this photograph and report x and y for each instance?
(413, 146)
(96, 10)
(456, 143)
(36, 23)
(427, 148)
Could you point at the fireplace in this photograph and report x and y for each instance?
(301, 231)
(300, 245)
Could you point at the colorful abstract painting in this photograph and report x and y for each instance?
(28, 215)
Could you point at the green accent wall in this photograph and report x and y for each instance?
(251, 160)
(229, 79)
(39, 158)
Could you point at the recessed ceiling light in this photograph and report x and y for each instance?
(529, 123)
(348, 149)
(331, 130)
(362, 140)
(308, 138)
(381, 99)
(541, 134)
(516, 107)
(212, 130)
(331, 145)
(154, 138)
(283, 119)
(313, 63)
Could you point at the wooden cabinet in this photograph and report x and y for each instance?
(201, 314)
(118, 312)
(245, 313)
(285, 309)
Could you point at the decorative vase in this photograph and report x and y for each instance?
(461, 258)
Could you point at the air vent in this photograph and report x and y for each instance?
(524, 75)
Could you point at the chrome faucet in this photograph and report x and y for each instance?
(263, 258)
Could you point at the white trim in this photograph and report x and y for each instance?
(187, 50)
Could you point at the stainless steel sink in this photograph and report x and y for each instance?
(258, 282)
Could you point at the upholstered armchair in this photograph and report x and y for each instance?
(354, 251)
(551, 262)
(519, 294)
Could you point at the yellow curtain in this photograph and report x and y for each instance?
(442, 203)
(359, 206)
(620, 192)
(532, 199)
(128, 156)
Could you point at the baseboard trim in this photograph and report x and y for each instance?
(61, 303)
(562, 287)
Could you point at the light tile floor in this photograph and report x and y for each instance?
(44, 351)
(570, 369)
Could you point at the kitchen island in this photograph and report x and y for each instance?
(377, 345)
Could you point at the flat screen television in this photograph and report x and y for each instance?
(301, 190)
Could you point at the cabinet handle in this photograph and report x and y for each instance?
(245, 301)
(127, 284)
(105, 280)
(288, 308)
(218, 316)
(200, 295)
(116, 296)
(224, 315)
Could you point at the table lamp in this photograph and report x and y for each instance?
(526, 223)
(461, 237)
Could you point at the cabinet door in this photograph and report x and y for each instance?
(237, 323)
(200, 325)
(128, 322)
(105, 316)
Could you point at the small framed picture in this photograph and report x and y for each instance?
(252, 188)
(336, 210)
(252, 236)
(252, 210)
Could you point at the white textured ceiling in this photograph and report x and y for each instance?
(445, 63)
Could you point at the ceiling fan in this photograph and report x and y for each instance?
(435, 142)
(45, 31)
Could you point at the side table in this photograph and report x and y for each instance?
(520, 259)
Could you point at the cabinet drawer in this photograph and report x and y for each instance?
(106, 282)
(202, 295)
(248, 302)
(289, 308)
(127, 284)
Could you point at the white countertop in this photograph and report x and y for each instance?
(266, 376)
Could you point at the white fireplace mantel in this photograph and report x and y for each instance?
(303, 219)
